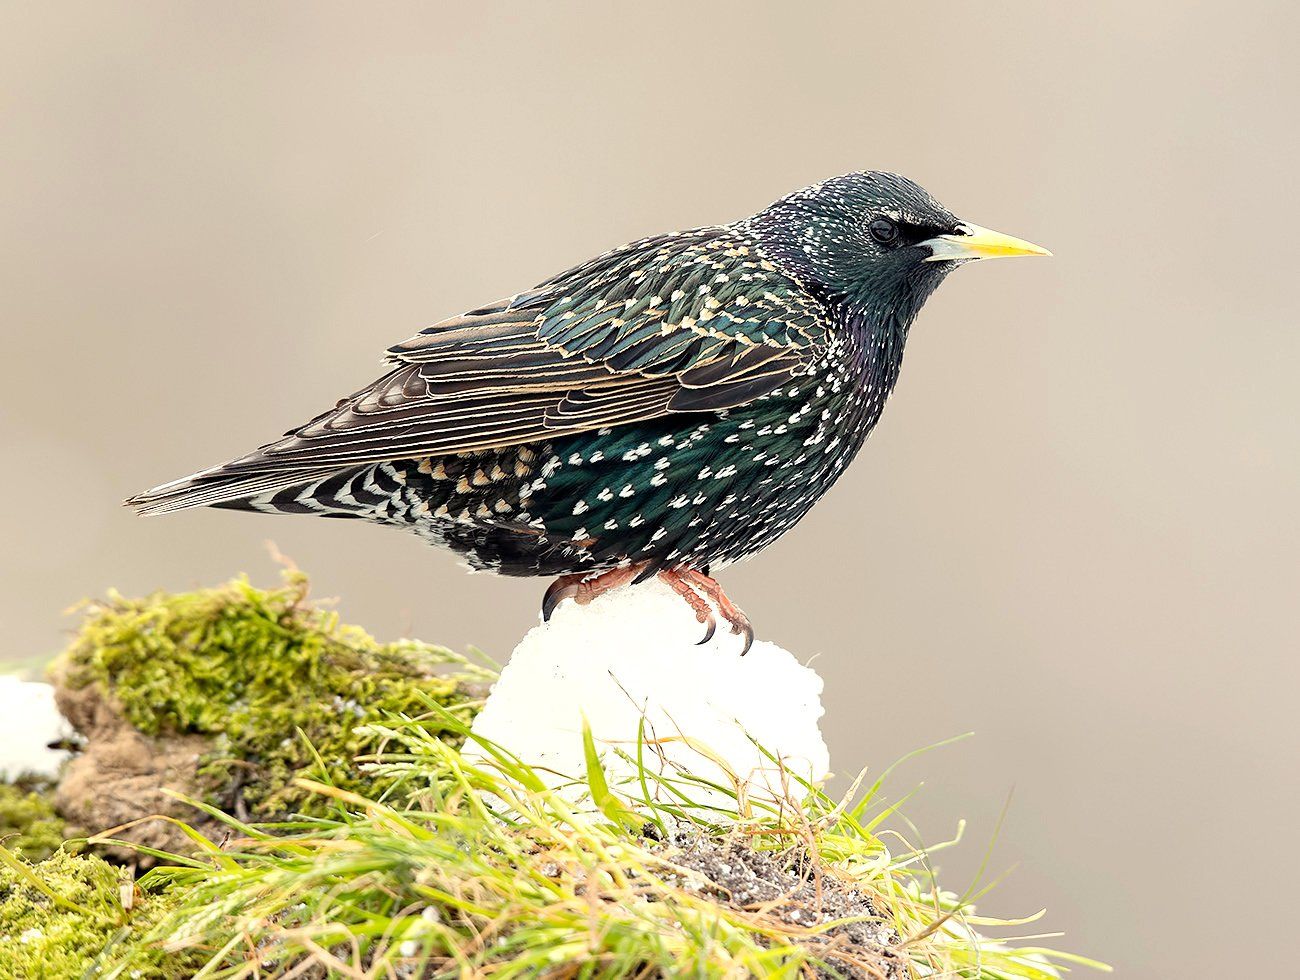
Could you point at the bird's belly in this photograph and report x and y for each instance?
(705, 489)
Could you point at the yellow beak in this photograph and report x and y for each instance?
(975, 242)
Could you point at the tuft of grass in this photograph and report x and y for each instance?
(473, 867)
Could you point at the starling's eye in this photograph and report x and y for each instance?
(883, 230)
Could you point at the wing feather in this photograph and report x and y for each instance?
(694, 322)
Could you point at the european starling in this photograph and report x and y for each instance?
(666, 408)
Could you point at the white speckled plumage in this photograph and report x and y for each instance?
(680, 401)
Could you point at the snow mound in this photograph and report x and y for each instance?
(29, 722)
(633, 653)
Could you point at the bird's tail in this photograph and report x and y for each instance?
(229, 485)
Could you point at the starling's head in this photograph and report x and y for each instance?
(875, 241)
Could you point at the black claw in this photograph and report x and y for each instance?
(558, 591)
(710, 626)
(747, 632)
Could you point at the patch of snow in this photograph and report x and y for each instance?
(633, 653)
(29, 722)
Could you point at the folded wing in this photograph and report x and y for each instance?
(685, 323)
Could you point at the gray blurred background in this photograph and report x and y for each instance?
(1074, 532)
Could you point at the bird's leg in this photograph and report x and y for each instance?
(590, 588)
(738, 621)
(582, 588)
(695, 587)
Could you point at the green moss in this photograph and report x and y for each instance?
(68, 917)
(28, 824)
(278, 682)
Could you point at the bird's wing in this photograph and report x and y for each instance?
(684, 323)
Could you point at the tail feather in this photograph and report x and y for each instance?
(219, 486)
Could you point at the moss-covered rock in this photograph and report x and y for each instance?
(29, 825)
(230, 693)
(71, 915)
(466, 868)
